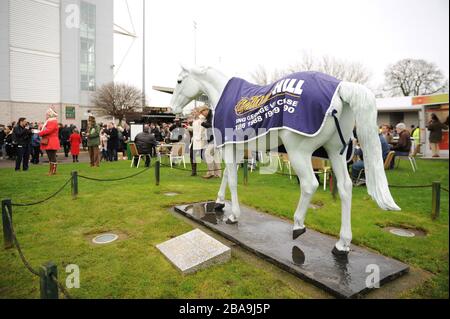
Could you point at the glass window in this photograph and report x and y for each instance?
(87, 47)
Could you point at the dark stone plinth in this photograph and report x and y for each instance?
(309, 256)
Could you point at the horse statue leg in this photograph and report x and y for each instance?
(220, 202)
(345, 186)
(301, 162)
(232, 183)
(229, 155)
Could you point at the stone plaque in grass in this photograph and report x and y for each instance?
(194, 251)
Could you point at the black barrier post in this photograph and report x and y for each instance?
(49, 288)
(436, 198)
(7, 229)
(157, 171)
(245, 172)
(74, 184)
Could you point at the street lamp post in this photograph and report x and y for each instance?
(143, 56)
(195, 52)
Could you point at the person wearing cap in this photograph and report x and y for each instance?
(93, 136)
(50, 139)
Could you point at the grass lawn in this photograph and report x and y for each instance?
(134, 268)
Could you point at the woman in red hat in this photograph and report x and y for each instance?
(50, 139)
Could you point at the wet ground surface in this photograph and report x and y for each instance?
(83, 158)
(308, 257)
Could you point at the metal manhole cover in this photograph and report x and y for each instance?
(402, 232)
(105, 239)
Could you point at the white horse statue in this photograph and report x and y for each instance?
(352, 102)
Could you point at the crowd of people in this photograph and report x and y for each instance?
(25, 142)
(195, 133)
(400, 140)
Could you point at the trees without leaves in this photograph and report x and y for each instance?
(116, 99)
(340, 69)
(411, 77)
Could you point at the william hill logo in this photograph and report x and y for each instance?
(286, 86)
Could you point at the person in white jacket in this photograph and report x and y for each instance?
(199, 137)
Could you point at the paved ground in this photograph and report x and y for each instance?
(83, 158)
(390, 290)
(308, 257)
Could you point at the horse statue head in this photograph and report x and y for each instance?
(195, 81)
(188, 88)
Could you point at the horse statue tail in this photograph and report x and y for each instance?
(363, 104)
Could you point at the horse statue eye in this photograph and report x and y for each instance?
(179, 81)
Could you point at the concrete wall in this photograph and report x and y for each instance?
(4, 54)
(383, 118)
(68, 85)
(70, 54)
(34, 112)
(5, 112)
(409, 118)
(34, 31)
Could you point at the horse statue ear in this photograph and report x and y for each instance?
(184, 68)
(199, 70)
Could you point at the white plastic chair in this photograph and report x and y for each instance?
(284, 159)
(319, 167)
(248, 156)
(177, 153)
(135, 153)
(274, 156)
(411, 157)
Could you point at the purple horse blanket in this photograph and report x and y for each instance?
(298, 102)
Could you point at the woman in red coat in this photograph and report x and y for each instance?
(50, 139)
(75, 141)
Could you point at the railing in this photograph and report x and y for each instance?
(435, 186)
(48, 273)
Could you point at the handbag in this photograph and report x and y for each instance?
(44, 141)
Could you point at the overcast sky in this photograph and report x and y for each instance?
(238, 35)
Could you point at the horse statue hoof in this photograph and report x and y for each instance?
(339, 253)
(298, 232)
(231, 222)
(219, 207)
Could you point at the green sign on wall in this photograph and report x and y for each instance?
(70, 112)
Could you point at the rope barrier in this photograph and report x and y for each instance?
(47, 199)
(19, 249)
(222, 169)
(186, 170)
(61, 287)
(295, 175)
(113, 179)
(410, 186)
(315, 173)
